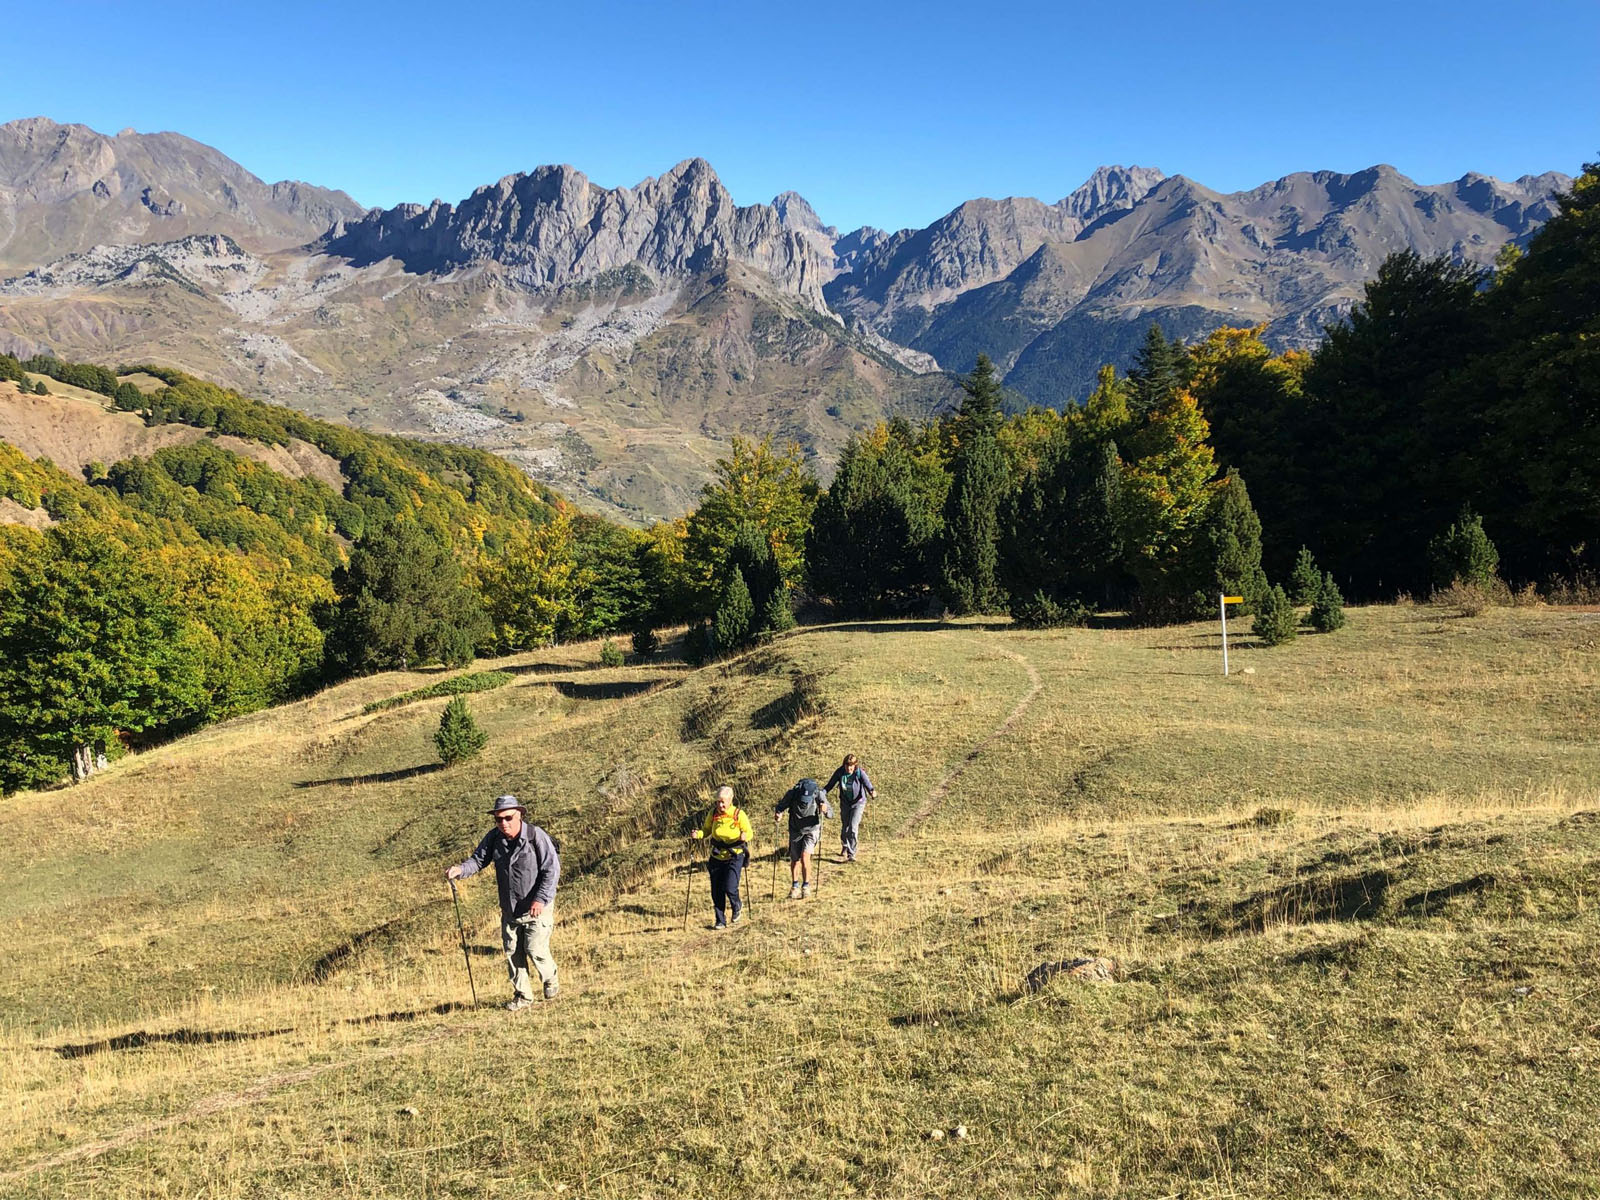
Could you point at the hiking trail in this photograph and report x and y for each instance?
(941, 789)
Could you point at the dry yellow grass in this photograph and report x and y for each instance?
(1352, 895)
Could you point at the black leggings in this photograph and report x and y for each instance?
(725, 883)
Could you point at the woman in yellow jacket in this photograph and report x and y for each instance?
(727, 831)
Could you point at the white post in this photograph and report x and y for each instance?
(1223, 606)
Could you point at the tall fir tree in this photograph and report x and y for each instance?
(1159, 373)
(972, 525)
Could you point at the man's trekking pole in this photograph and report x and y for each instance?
(775, 851)
(463, 929)
(746, 892)
(688, 889)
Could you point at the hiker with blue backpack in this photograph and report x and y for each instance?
(854, 788)
(806, 803)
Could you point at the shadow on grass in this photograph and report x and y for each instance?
(375, 777)
(619, 689)
(141, 1038)
(176, 1037)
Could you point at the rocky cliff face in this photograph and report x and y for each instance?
(1050, 291)
(552, 227)
(66, 188)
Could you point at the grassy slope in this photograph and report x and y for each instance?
(224, 983)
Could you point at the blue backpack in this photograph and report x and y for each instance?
(805, 800)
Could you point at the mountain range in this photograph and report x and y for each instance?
(610, 340)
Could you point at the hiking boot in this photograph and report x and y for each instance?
(794, 891)
(552, 989)
(805, 891)
(721, 924)
(520, 1003)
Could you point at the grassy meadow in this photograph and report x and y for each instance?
(1353, 892)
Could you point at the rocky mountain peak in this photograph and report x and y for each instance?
(69, 188)
(552, 227)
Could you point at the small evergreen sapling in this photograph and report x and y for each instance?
(732, 626)
(645, 643)
(1275, 618)
(1305, 580)
(459, 737)
(1463, 553)
(1327, 606)
(610, 654)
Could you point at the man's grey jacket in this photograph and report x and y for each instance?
(526, 867)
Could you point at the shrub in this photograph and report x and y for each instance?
(1275, 619)
(1327, 607)
(610, 654)
(1042, 611)
(1468, 599)
(459, 737)
(1304, 580)
(1463, 553)
(645, 643)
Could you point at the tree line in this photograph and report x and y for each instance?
(1447, 428)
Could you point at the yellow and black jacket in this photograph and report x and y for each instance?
(728, 834)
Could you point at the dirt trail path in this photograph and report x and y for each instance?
(942, 789)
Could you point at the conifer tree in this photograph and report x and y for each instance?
(734, 622)
(403, 603)
(1327, 606)
(1463, 553)
(1158, 372)
(459, 737)
(1230, 545)
(1305, 580)
(972, 525)
(981, 406)
(1275, 618)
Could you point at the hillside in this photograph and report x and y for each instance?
(1349, 894)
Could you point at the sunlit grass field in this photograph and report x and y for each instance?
(1351, 892)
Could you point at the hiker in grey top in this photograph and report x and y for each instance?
(854, 788)
(806, 804)
(527, 869)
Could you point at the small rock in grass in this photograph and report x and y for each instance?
(936, 1135)
(408, 1111)
(944, 891)
(961, 1133)
(1103, 970)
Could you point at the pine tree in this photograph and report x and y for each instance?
(752, 558)
(1327, 607)
(403, 603)
(1463, 553)
(972, 526)
(733, 625)
(981, 406)
(1275, 618)
(1305, 580)
(1230, 545)
(459, 737)
(1158, 372)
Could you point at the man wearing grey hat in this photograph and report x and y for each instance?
(527, 869)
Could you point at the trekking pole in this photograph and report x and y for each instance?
(775, 860)
(746, 892)
(456, 896)
(688, 889)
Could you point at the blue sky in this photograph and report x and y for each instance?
(878, 113)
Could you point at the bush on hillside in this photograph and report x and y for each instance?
(1305, 580)
(733, 624)
(1327, 606)
(1463, 553)
(610, 654)
(1275, 618)
(645, 643)
(1042, 611)
(459, 737)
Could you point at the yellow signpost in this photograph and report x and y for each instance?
(1223, 607)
